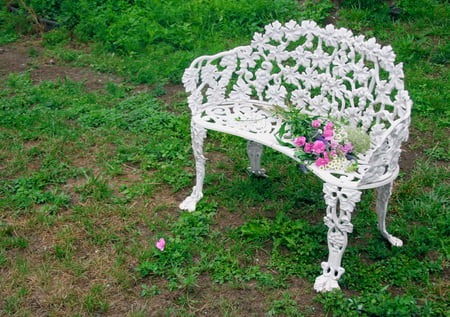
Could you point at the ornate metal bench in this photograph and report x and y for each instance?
(327, 72)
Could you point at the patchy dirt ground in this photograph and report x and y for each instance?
(49, 296)
(20, 57)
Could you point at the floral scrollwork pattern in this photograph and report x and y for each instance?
(340, 204)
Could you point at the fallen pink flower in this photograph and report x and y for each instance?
(161, 244)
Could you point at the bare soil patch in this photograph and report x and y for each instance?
(27, 56)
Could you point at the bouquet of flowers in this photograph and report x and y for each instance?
(329, 144)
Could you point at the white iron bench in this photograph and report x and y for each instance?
(327, 72)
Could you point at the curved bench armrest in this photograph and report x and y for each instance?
(382, 161)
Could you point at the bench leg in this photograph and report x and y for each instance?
(340, 205)
(198, 135)
(383, 194)
(254, 151)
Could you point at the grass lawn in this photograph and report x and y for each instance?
(95, 157)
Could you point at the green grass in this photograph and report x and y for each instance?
(91, 179)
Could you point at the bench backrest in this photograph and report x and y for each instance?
(322, 71)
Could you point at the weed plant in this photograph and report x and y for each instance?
(90, 179)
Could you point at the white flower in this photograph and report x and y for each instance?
(247, 57)
(291, 74)
(292, 31)
(302, 57)
(241, 90)
(320, 58)
(190, 78)
(209, 74)
(340, 66)
(278, 53)
(340, 135)
(259, 40)
(360, 72)
(300, 98)
(275, 31)
(386, 57)
(382, 92)
(276, 94)
(310, 78)
(396, 76)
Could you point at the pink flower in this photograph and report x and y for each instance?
(328, 134)
(300, 141)
(160, 244)
(333, 153)
(329, 126)
(322, 161)
(318, 147)
(334, 144)
(348, 147)
(315, 123)
(308, 148)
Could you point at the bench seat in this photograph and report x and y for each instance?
(253, 121)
